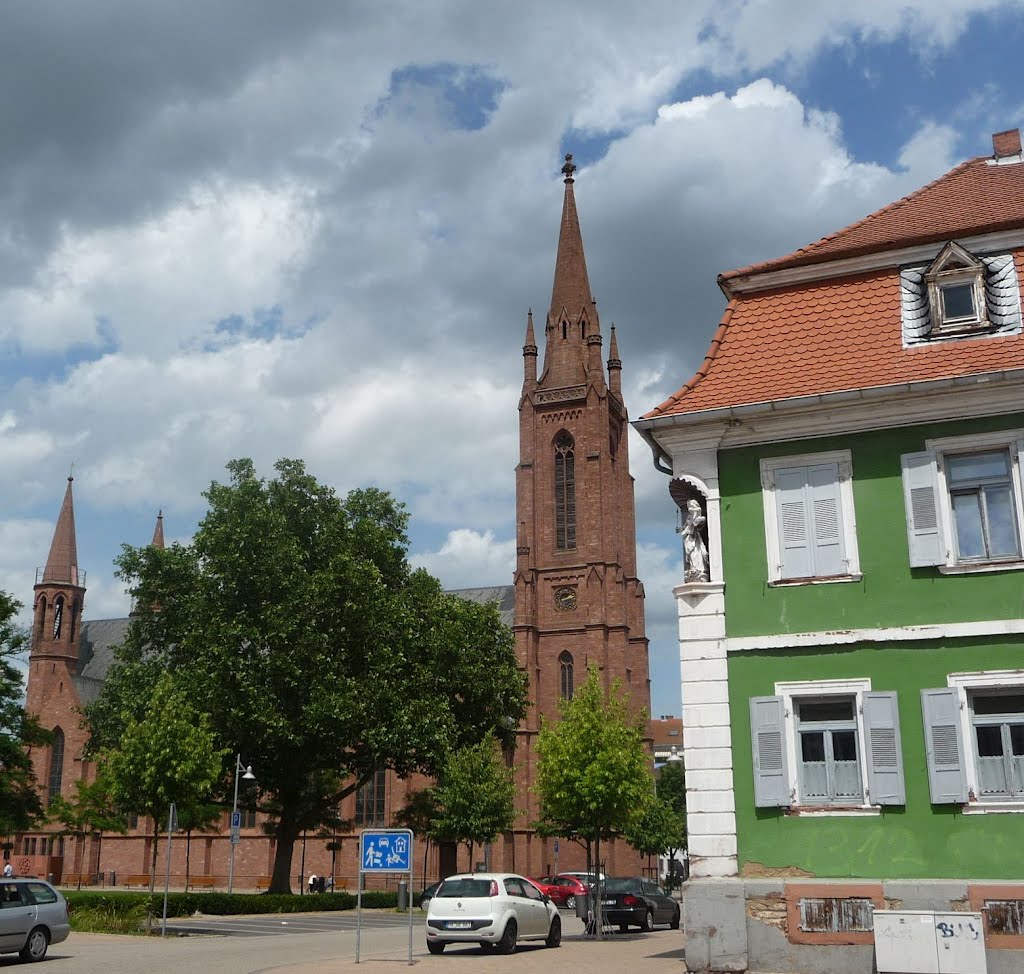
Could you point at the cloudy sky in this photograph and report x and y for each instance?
(314, 230)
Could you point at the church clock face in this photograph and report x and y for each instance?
(565, 598)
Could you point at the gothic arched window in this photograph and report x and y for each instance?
(58, 615)
(74, 619)
(40, 616)
(565, 674)
(56, 764)
(565, 492)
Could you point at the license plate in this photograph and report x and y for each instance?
(608, 902)
(458, 925)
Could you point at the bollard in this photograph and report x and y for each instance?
(403, 895)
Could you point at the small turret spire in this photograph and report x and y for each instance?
(158, 531)
(62, 562)
(529, 354)
(614, 364)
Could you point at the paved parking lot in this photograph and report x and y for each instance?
(293, 923)
(325, 944)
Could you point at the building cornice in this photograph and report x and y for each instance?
(922, 253)
(833, 413)
(887, 634)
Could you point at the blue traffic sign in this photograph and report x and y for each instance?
(385, 851)
(236, 820)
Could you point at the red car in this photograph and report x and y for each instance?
(549, 887)
(568, 887)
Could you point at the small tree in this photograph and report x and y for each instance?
(672, 789)
(92, 812)
(420, 815)
(593, 771)
(168, 756)
(475, 794)
(656, 829)
(20, 806)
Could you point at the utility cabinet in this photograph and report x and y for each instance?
(925, 942)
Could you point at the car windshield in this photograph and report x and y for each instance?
(464, 887)
(620, 885)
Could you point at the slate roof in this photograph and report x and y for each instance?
(504, 595)
(844, 333)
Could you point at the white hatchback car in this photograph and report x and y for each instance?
(494, 910)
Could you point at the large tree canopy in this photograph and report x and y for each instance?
(294, 621)
(20, 805)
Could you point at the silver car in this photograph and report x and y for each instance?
(33, 915)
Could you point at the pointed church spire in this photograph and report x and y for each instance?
(62, 562)
(529, 354)
(614, 365)
(158, 531)
(571, 288)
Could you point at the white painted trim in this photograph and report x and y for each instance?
(825, 269)
(981, 568)
(769, 466)
(788, 689)
(859, 812)
(980, 680)
(893, 634)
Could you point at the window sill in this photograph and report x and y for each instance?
(993, 808)
(824, 580)
(830, 811)
(979, 567)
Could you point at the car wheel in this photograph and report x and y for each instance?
(674, 924)
(434, 947)
(507, 944)
(35, 946)
(554, 937)
(648, 922)
(570, 902)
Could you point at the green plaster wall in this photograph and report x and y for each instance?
(890, 593)
(917, 841)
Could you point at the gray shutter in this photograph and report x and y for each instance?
(924, 521)
(884, 751)
(794, 530)
(827, 519)
(944, 746)
(768, 737)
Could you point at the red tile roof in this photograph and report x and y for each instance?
(844, 333)
(975, 197)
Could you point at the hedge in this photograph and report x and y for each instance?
(225, 904)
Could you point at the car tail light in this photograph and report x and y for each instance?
(629, 901)
(494, 888)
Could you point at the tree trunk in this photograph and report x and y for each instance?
(286, 833)
(79, 856)
(598, 912)
(188, 854)
(152, 865)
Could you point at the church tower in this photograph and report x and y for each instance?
(59, 596)
(579, 604)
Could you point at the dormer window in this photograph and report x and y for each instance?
(959, 295)
(956, 289)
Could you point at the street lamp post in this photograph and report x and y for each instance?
(248, 776)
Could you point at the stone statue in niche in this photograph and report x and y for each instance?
(695, 549)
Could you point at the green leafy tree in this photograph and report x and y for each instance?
(672, 789)
(293, 619)
(656, 829)
(20, 805)
(475, 794)
(92, 811)
(167, 756)
(198, 817)
(420, 814)
(593, 771)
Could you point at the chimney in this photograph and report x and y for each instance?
(1006, 143)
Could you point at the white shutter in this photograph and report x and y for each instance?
(827, 520)
(794, 528)
(944, 746)
(768, 738)
(884, 750)
(924, 514)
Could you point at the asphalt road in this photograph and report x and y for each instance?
(325, 945)
(294, 924)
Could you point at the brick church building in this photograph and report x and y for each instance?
(575, 604)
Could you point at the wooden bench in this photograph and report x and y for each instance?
(140, 880)
(262, 884)
(202, 882)
(72, 879)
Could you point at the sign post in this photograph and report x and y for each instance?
(384, 851)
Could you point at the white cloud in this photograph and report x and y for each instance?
(470, 559)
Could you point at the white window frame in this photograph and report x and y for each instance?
(854, 687)
(847, 515)
(1013, 442)
(939, 277)
(981, 680)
